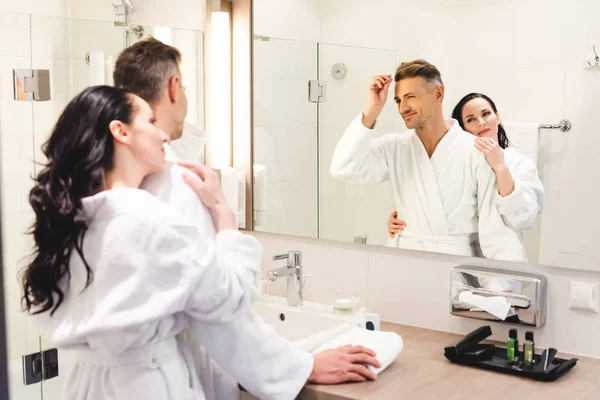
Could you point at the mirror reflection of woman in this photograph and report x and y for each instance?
(521, 193)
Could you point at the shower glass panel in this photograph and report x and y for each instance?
(285, 135)
(294, 139)
(17, 143)
(60, 45)
(347, 211)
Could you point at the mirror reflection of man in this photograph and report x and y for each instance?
(443, 188)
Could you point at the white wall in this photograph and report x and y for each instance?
(56, 34)
(412, 288)
(180, 14)
(290, 19)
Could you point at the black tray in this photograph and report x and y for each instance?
(487, 356)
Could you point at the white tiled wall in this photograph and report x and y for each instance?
(60, 44)
(41, 7)
(300, 19)
(179, 14)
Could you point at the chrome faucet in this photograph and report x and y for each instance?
(293, 272)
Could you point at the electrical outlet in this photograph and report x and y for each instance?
(584, 295)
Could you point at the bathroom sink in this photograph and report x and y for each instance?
(295, 323)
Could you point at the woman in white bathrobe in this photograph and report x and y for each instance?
(116, 273)
(520, 192)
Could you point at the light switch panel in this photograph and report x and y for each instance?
(584, 295)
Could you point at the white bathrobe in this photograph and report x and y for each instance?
(448, 201)
(520, 208)
(153, 271)
(244, 350)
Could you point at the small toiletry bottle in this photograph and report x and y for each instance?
(528, 347)
(512, 346)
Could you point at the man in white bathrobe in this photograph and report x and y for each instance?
(245, 350)
(443, 188)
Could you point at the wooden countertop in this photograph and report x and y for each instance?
(421, 372)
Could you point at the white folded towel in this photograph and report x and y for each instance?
(524, 137)
(386, 345)
(311, 343)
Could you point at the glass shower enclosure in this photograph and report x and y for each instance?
(68, 49)
(305, 94)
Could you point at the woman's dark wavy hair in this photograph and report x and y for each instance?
(457, 115)
(79, 153)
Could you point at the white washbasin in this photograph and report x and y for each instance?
(295, 323)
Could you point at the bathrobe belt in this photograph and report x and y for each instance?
(151, 355)
(465, 240)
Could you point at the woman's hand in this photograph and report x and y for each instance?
(207, 185)
(495, 157)
(492, 151)
(395, 225)
(344, 364)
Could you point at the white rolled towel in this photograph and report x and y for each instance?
(386, 345)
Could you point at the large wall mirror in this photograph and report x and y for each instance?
(321, 172)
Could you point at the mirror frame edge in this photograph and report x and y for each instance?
(242, 48)
(4, 389)
(242, 130)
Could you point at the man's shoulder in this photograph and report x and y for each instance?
(398, 139)
(463, 136)
(167, 182)
(464, 145)
(466, 142)
(169, 187)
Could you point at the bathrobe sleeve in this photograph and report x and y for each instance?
(244, 349)
(359, 157)
(165, 266)
(251, 352)
(520, 208)
(497, 240)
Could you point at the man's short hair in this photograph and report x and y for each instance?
(145, 68)
(419, 68)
